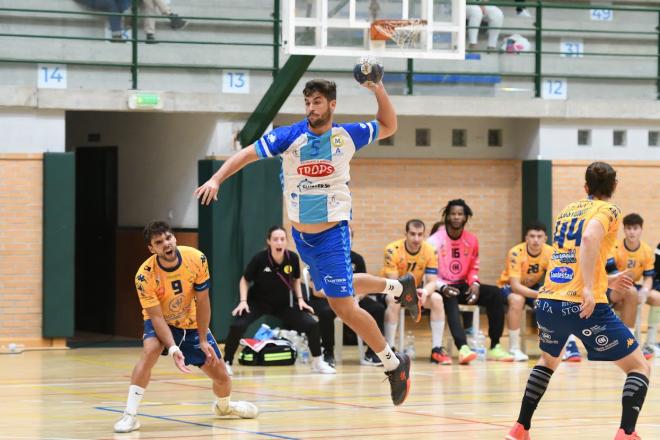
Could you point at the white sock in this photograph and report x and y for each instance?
(387, 357)
(135, 394)
(390, 331)
(514, 339)
(650, 335)
(392, 287)
(223, 402)
(437, 332)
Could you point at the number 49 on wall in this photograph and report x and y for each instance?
(51, 76)
(554, 88)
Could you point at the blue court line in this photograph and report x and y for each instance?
(205, 425)
(260, 411)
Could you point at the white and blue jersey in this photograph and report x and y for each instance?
(316, 168)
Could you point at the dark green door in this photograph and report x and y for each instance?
(96, 226)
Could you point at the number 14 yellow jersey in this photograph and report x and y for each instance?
(563, 280)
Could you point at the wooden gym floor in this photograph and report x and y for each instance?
(80, 393)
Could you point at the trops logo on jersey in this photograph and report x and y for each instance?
(316, 169)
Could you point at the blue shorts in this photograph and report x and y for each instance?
(506, 291)
(188, 342)
(604, 335)
(328, 255)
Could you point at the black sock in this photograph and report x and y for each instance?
(634, 392)
(536, 386)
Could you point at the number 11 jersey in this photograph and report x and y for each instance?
(563, 280)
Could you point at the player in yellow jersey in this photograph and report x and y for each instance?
(416, 256)
(521, 279)
(173, 288)
(573, 301)
(635, 256)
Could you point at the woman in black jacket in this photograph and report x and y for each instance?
(270, 285)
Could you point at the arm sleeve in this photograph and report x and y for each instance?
(657, 263)
(608, 216)
(431, 261)
(360, 266)
(295, 262)
(203, 279)
(362, 133)
(390, 265)
(146, 289)
(649, 267)
(252, 269)
(273, 143)
(515, 263)
(610, 266)
(473, 271)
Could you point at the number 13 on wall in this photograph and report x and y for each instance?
(554, 88)
(235, 81)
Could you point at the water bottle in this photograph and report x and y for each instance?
(264, 332)
(480, 346)
(410, 345)
(13, 347)
(304, 350)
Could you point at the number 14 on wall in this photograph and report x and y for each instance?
(51, 76)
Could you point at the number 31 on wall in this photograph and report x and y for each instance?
(554, 88)
(51, 76)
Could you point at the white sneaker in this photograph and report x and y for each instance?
(240, 408)
(518, 356)
(229, 369)
(127, 423)
(322, 367)
(524, 13)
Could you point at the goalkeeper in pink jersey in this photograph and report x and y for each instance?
(458, 268)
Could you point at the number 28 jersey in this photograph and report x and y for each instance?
(174, 288)
(563, 280)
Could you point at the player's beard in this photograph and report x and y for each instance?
(322, 120)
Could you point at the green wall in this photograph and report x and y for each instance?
(233, 229)
(59, 242)
(537, 193)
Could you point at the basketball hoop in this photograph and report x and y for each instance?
(402, 32)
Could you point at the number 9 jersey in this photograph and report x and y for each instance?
(174, 288)
(563, 280)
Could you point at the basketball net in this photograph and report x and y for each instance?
(404, 33)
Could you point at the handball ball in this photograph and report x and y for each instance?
(368, 69)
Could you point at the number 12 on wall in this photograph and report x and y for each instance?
(554, 88)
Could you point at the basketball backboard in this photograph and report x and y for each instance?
(425, 29)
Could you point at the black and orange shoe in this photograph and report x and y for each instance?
(518, 432)
(439, 356)
(409, 298)
(400, 379)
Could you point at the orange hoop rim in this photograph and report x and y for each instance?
(383, 30)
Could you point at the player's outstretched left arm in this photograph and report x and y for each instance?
(386, 115)
(209, 191)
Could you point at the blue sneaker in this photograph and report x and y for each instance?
(572, 354)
